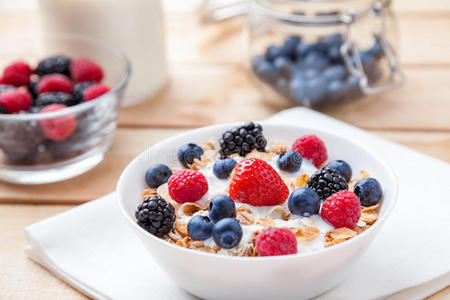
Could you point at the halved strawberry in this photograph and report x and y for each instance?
(255, 182)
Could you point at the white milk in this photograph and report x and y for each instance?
(135, 26)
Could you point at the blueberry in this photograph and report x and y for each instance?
(343, 168)
(336, 72)
(257, 59)
(297, 88)
(200, 228)
(227, 233)
(377, 50)
(334, 53)
(310, 73)
(223, 167)
(187, 153)
(282, 86)
(289, 161)
(283, 66)
(335, 40)
(304, 202)
(157, 174)
(221, 207)
(335, 91)
(368, 191)
(316, 89)
(290, 46)
(266, 71)
(273, 52)
(316, 60)
(351, 87)
(303, 49)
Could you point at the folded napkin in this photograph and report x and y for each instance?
(93, 249)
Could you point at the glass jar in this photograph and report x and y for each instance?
(320, 53)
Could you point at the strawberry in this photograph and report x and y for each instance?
(255, 182)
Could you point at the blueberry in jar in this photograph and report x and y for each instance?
(304, 202)
(343, 168)
(157, 175)
(200, 228)
(227, 233)
(289, 161)
(369, 191)
(220, 207)
(187, 153)
(223, 167)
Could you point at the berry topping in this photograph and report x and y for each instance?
(84, 69)
(304, 202)
(276, 241)
(58, 128)
(342, 209)
(187, 153)
(17, 74)
(343, 168)
(312, 148)
(227, 233)
(326, 182)
(368, 190)
(54, 83)
(54, 64)
(55, 98)
(242, 140)
(157, 175)
(255, 182)
(223, 167)
(155, 215)
(15, 100)
(289, 161)
(187, 186)
(200, 228)
(221, 207)
(79, 88)
(95, 91)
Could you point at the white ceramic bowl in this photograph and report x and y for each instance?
(296, 276)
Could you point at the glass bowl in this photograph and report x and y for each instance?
(27, 156)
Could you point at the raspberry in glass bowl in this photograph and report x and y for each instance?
(59, 102)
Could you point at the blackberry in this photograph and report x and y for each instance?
(55, 98)
(242, 140)
(326, 182)
(79, 88)
(32, 88)
(54, 64)
(155, 215)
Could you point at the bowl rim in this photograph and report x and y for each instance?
(380, 221)
(87, 104)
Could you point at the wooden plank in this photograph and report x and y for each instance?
(130, 142)
(225, 93)
(21, 278)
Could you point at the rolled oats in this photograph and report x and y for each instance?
(209, 144)
(279, 212)
(278, 147)
(307, 233)
(266, 222)
(199, 163)
(244, 215)
(197, 244)
(301, 180)
(149, 193)
(190, 208)
(338, 235)
(181, 228)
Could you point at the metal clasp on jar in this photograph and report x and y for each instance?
(355, 67)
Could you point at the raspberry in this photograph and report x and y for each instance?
(54, 83)
(17, 74)
(84, 69)
(312, 148)
(276, 241)
(15, 100)
(58, 128)
(342, 209)
(187, 186)
(255, 182)
(95, 91)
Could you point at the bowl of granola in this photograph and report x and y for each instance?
(257, 211)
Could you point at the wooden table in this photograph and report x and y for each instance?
(208, 84)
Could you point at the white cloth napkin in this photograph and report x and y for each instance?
(92, 248)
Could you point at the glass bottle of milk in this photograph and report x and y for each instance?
(135, 26)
